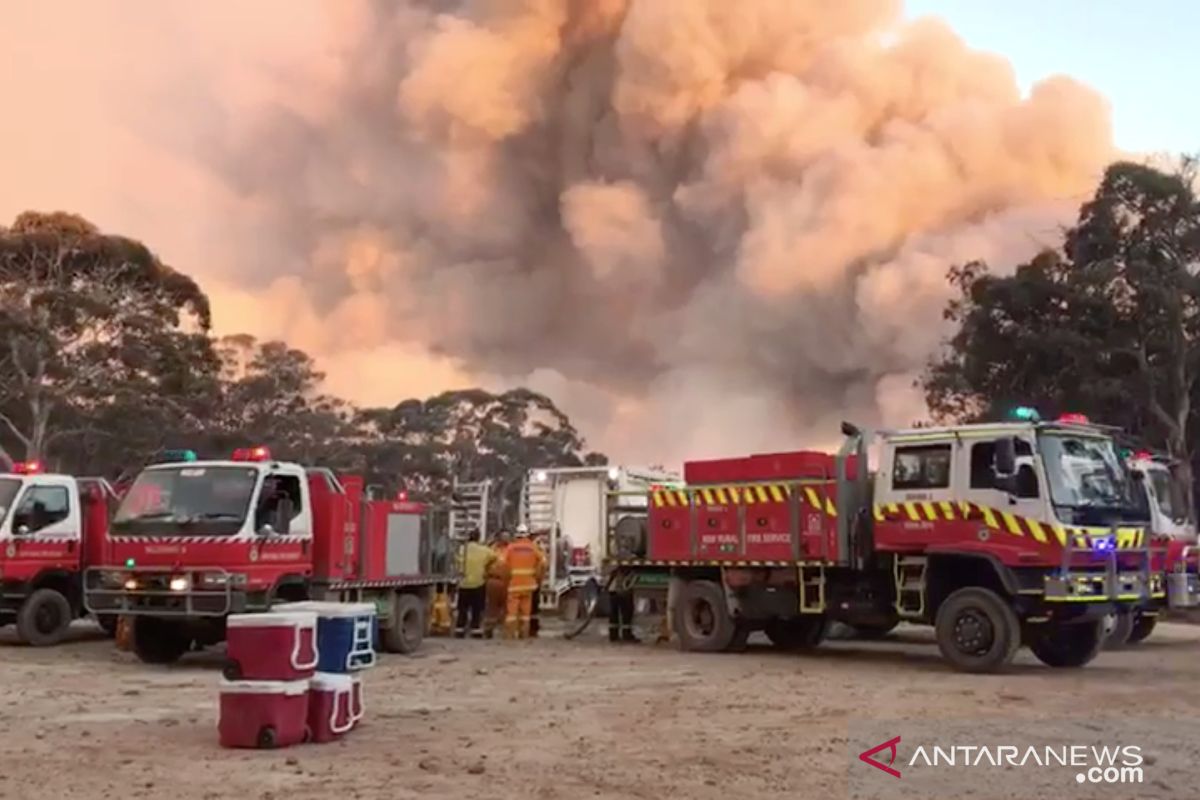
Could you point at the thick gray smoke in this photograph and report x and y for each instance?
(701, 225)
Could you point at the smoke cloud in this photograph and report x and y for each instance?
(701, 226)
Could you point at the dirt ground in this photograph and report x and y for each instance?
(545, 719)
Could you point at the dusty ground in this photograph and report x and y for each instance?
(546, 719)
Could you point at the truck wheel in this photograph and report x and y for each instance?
(44, 618)
(702, 619)
(159, 641)
(108, 624)
(801, 633)
(1070, 645)
(407, 627)
(977, 631)
(1115, 630)
(1143, 626)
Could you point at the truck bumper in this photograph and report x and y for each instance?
(199, 592)
(1132, 588)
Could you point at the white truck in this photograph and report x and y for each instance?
(568, 510)
(1167, 502)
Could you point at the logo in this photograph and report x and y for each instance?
(867, 757)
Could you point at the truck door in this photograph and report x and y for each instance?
(44, 531)
(919, 484)
(980, 481)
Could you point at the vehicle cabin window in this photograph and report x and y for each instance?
(41, 507)
(275, 489)
(983, 459)
(925, 467)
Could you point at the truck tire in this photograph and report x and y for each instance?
(159, 641)
(799, 633)
(1071, 645)
(44, 618)
(702, 619)
(407, 626)
(977, 630)
(1116, 630)
(1143, 626)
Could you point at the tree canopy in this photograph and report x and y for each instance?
(1107, 325)
(108, 361)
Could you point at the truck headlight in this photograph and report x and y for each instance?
(131, 584)
(180, 583)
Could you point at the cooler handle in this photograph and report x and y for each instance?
(360, 660)
(362, 704)
(333, 723)
(296, 650)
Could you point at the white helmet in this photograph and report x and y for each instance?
(522, 529)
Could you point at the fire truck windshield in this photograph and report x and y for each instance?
(192, 500)
(1088, 486)
(8, 492)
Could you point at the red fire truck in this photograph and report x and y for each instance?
(51, 528)
(194, 541)
(997, 535)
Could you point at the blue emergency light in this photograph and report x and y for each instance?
(1025, 414)
(179, 455)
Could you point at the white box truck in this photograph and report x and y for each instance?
(568, 510)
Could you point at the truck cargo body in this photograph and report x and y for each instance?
(570, 509)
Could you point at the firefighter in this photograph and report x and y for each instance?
(525, 562)
(534, 616)
(497, 587)
(474, 561)
(620, 615)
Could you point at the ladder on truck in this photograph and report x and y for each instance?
(538, 512)
(469, 509)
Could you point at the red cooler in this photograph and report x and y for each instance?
(356, 698)
(263, 714)
(330, 706)
(273, 646)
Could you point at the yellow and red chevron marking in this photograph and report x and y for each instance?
(1005, 521)
(747, 493)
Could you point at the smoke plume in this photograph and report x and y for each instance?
(701, 226)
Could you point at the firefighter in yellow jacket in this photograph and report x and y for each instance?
(526, 564)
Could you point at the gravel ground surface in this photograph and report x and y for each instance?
(550, 719)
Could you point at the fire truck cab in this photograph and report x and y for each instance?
(194, 541)
(998, 535)
(51, 526)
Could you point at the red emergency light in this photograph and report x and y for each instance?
(27, 467)
(259, 453)
(1075, 419)
(1143, 455)
(402, 496)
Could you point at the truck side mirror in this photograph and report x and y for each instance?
(1005, 459)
